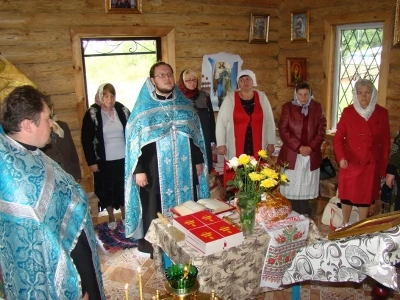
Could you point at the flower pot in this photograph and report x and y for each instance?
(247, 219)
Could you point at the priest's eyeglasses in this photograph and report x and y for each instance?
(163, 75)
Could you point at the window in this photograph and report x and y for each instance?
(358, 55)
(123, 62)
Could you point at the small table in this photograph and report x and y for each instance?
(233, 273)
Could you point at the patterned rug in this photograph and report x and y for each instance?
(114, 240)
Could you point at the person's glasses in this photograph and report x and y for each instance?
(194, 80)
(163, 75)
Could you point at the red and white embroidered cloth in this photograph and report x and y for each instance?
(287, 237)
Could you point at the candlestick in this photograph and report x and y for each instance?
(185, 272)
(140, 284)
(126, 291)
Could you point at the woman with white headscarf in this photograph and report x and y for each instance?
(103, 141)
(362, 147)
(302, 129)
(245, 123)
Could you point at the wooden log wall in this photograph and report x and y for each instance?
(35, 36)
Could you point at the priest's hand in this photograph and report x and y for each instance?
(86, 297)
(141, 179)
(199, 169)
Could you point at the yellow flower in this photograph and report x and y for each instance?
(262, 154)
(268, 183)
(284, 178)
(244, 159)
(254, 176)
(270, 173)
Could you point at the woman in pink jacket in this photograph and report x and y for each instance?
(362, 147)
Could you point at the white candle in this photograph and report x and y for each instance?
(140, 284)
(126, 291)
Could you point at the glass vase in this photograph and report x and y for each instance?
(247, 219)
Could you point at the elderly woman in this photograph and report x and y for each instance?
(201, 102)
(103, 141)
(302, 128)
(362, 146)
(245, 123)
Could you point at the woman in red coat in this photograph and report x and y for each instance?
(302, 129)
(362, 147)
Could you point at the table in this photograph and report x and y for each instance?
(233, 273)
(349, 259)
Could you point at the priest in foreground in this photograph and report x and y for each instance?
(47, 241)
(165, 161)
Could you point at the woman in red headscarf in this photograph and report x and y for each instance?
(201, 101)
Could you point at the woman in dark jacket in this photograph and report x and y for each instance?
(188, 84)
(302, 129)
(393, 170)
(103, 141)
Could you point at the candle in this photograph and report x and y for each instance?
(126, 291)
(140, 284)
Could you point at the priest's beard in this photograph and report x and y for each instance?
(165, 91)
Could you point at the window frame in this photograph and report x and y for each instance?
(337, 61)
(329, 50)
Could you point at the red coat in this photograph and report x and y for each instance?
(290, 127)
(366, 147)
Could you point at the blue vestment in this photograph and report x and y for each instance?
(43, 211)
(169, 123)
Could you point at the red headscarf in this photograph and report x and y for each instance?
(190, 94)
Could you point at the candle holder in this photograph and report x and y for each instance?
(175, 275)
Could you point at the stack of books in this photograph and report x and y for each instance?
(207, 233)
(214, 206)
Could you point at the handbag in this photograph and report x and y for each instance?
(326, 169)
(333, 215)
(386, 193)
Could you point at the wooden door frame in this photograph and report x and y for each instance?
(167, 35)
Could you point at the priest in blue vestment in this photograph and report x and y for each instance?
(47, 241)
(165, 162)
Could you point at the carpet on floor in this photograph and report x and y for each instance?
(114, 240)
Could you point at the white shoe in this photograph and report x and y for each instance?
(112, 225)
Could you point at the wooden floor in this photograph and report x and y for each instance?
(120, 268)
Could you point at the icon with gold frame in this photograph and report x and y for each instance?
(370, 225)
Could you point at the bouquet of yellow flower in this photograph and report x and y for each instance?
(252, 179)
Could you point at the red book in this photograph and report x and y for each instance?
(232, 236)
(208, 233)
(205, 240)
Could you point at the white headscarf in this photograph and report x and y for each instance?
(248, 73)
(304, 107)
(365, 112)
